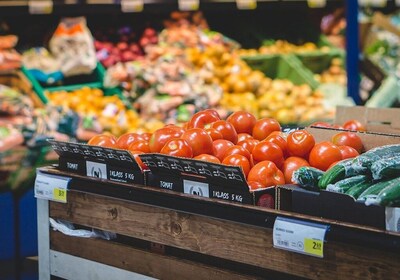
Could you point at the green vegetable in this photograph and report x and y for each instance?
(372, 192)
(386, 168)
(4, 132)
(340, 171)
(390, 195)
(358, 189)
(369, 157)
(307, 176)
(344, 185)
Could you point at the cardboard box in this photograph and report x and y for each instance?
(204, 179)
(111, 164)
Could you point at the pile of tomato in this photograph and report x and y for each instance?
(267, 156)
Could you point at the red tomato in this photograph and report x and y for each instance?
(300, 143)
(220, 146)
(354, 125)
(146, 136)
(268, 151)
(161, 136)
(244, 136)
(249, 144)
(254, 185)
(177, 148)
(199, 140)
(238, 160)
(214, 134)
(209, 158)
(323, 155)
(348, 139)
(265, 127)
(337, 126)
(103, 140)
(140, 145)
(181, 130)
(203, 118)
(242, 121)
(278, 140)
(226, 129)
(267, 174)
(290, 165)
(237, 150)
(138, 160)
(266, 200)
(321, 124)
(126, 139)
(348, 152)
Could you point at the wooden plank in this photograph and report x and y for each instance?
(136, 260)
(228, 240)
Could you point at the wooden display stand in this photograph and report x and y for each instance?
(168, 235)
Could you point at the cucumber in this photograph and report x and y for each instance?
(369, 157)
(344, 185)
(357, 189)
(307, 176)
(369, 195)
(390, 195)
(340, 171)
(386, 168)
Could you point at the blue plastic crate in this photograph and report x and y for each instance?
(7, 227)
(27, 219)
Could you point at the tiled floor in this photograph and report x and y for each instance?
(26, 269)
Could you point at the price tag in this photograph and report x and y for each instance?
(299, 236)
(246, 4)
(188, 5)
(378, 3)
(196, 188)
(397, 2)
(51, 187)
(392, 219)
(132, 6)
(316, 3)
(40, 7)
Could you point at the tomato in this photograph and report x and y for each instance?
(238, 160)
(266, 200)
(248, 144)
(209, 158)
(278, 140)
(126, 139)
(237, 150)
(181, 130)
(290, 165)
(103, 140)
(199, 140)
(268, 151)
(177, 148)
(140, 145)
(348, 152)
(265, 127)
(267, 174)
(300, 143)
(242, 121)
(220, 146)
(146, 136)
(354, 125)
(161, 136)
(348, 139)
(203, 118)
(337, 126)
(254, 185)
(323, 155)
(226, 129)
(321, 124)
(243, 136)
(138, 160)
(214, 134)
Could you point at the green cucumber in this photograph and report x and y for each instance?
(307, 176)
(372, 192)
(390, 195)
(358, 189)
(373, 155)
(386, 168)
(344, 185)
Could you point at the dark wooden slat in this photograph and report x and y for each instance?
(139, 261)
(228, 240)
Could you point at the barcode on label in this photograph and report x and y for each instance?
(40, 192)
(283, 243)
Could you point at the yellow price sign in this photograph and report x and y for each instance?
(188, 5)
(316, 3)
(246, 4)
(60, 194)
(314, 247)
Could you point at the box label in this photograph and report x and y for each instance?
(51, 187)
(196, 188)
(95, 169)
(299, 236)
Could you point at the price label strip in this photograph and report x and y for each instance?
(132, 6)
(188, 5)
(299, 236)
(40, 7)
(316, 3)
(196, 188)
(373, 3)
(246, 4)
(51, 187)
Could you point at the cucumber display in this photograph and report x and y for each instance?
(390, 195)
(372, 192)
(386, 168)
(373, 155)
(344, 185)
(358, 189)
(307, 176)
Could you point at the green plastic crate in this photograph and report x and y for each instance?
(319, 61)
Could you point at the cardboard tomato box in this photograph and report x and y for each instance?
(111, 164)
(337, 206)
(204, 179)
